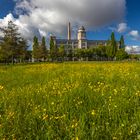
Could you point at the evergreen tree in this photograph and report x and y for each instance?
(12, 42)
(35, 48)
(43, 49)
(23, 50)
(113, 44)
(111, 48)
(53, 49)
(122, 44)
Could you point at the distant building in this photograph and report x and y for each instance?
(81, 42)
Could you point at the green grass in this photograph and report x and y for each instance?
(70, 101)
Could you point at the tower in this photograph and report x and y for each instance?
(81, 33)
(69, 31)
(82, 41)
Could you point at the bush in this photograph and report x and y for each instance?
(121, 54)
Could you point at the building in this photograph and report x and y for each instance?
(81, 42)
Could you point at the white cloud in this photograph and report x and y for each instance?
(134, 34)
(42, 33)
(5, 20)
(133, 49)
(41, 17)
(122, 27)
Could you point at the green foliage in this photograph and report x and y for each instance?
(53, 49)
(22, 52)
(61, 51)
(113, 44)
(101, 51)
(121, 54)
(134, 56)
(39, 50)
(13, 45)
(83, 53)
(69, 51)
(111, 48)
(122, 44)
(35, 48)
(109, 51)
(42, 49)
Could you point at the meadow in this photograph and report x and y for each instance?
(70, 101)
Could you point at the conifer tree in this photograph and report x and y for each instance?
(122, 44)
(43, 49)
(12, 42)
(111, 48)
(35, 49)
(22, 50)
(53, 49)
(113, 44)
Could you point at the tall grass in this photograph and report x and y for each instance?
(70, 101)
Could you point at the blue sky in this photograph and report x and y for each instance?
(129, 22)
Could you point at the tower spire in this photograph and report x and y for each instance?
(69, 31)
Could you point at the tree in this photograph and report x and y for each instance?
(53, 49)
(42, 49)
(22, 52)
(12, 42)
(35, 48)
(134, 56)
(113, 44)
(109, 50)
(111, 47)
(122, 44)
(28, 55)
(121, 54)
(101, 52)
(61, 51)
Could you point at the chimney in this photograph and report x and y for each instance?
(69, 31)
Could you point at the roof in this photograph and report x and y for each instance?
(90, 42)
(65, 41)
(97, 41)
(82, 28)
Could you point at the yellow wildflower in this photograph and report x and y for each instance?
(74, 125)
(114, 138)
(52, 103)
(93, 112)
(1, 87)
(45, 117)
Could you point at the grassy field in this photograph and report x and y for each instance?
(70, 101)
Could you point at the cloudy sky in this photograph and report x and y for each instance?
(100, 18)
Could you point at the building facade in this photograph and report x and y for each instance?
(81, 42)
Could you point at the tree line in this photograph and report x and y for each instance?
(114, 50)
(14, 48)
